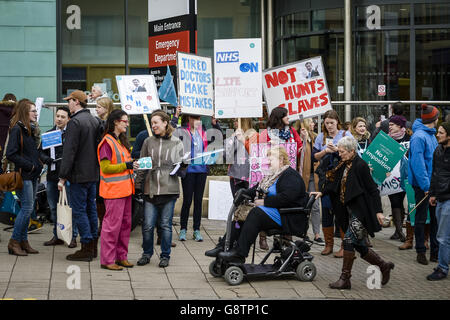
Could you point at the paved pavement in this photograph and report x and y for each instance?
(44, 276)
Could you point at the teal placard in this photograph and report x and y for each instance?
(382, 155)
(145, 163)
(412, 203)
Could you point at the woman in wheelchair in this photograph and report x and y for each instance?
(357, 207)
(283, 187)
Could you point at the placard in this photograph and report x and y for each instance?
(220, 200)
(237, 79)
(259, 163)
(51, 139)
(195, 84)
(383, 154)
(145, 163)
(39, 103)
(391, 184)
(138, 93)
(300, 87)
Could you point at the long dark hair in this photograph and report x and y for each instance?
(114, 116)
(275, 119)
(22, 114)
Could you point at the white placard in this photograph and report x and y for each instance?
(138, 93)
(391, 184)
(300, 87)
(39, 103)
(195, 84)
(220, 200)
(237, 78)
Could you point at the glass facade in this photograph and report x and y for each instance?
(402, 46)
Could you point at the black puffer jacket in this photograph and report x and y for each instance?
(440, 178)
(30, 161)
(79, 162)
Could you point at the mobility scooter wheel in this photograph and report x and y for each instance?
(234, 276)
(213, 270)
(306, 271)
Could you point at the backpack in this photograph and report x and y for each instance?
(9, 208)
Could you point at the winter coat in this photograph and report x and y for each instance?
(440, 179)
(421, 148)
(165, 152)
(6, 108)
(53, 175)
(362, 196)
(79, 162)
(291, 193)
(30, 161)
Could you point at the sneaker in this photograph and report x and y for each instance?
(438, 274)
(164, 262)
(197, 236)
(143, 261)
(182, 236)
(319, 241)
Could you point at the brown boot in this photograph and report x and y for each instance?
(328, 233)
(427, 236)
(340, 253)
(263, 241)
(344, 280)
(113, 267)
(53, 242)
(385, 267)
(84, 254)
(25, 245)
(409, 237)
(15, 248)
(124, 263)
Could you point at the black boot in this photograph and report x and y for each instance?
(219, 248)
(344, 279)
(398, 223)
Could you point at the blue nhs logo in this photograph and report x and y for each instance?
(227, 56)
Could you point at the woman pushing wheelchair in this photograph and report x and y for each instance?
(282, 187)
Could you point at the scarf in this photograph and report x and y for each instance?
(283, 134)
(270, 179)
(399, 135)
(331, 175)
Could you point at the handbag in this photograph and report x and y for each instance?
(11, 181)
(242, 211)
(64, 218)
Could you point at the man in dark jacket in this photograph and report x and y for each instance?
(53, 160)
(440, 197)
(80, 167)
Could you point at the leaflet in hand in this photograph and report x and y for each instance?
(145, 163)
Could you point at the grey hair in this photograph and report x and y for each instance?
(98, 88)
(348, 143)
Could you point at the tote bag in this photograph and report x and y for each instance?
(64, 218)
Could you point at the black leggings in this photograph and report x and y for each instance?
(257, 220)
(396, 200)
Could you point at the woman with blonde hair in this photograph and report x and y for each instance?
(104, 107)
(307, 165)
(359, 131)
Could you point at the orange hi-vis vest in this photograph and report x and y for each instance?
(116, 185)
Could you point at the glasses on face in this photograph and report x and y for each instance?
(34, 111)
(124, 121)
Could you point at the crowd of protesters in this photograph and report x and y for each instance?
(98, 169)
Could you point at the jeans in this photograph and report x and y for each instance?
(53, 198)
(193, 187)
(419, 224)
(315, 210)
(151, 214)
(443, 233)
(27, 198)
(84, 210)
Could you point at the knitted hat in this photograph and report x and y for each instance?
(398, 120)
(429, 113)
(446, 126)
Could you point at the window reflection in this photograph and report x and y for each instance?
(436, 13)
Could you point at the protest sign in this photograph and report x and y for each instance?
(391, 184)
(39, 103)
(300, 87)
(259, 163)
(138, 94)
(145, 163)
(219, 201)
(51, 139)
(410, 196)
(382, 155)
(195, 84)
(237, 79)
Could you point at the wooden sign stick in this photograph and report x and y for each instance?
(147, 124)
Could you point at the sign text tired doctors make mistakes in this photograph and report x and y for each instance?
(195, 84)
